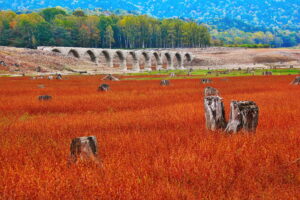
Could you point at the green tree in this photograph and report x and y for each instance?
(24, 26)
(109, 36)
(78, 13)
(43, 34)
(50, 13)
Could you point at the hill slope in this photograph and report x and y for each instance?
(284, 14)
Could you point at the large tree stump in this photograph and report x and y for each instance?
(296, 81)
(84, 148)
(214, 113)
(210, 91)
(243, 116)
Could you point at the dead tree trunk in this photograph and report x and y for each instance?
(214, 113)
(84, 148)
(296, 81)
(243, 116)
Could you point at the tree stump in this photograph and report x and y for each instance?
(84, 148)
(38, 69)
(267, 73)
(110, 77)
(210, 91)
(45, 98)
(172, 74)
(296, 81)
(59, 77)
(205, 80)
(41, 86)
(243, 116)
(164, 82)
(104, 87)
(214, 113)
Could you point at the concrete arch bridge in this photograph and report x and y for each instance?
(128, 60)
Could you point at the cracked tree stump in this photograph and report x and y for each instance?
(84, 149)
(214, 113)
(243, 116)
(296, 81)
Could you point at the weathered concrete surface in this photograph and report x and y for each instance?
(141, 60)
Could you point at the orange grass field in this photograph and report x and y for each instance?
(152, 140)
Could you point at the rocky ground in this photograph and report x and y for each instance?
(19, 61)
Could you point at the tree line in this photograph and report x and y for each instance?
(259, 39)
(55, 27)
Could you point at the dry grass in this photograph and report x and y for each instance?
(272, 59)
(153, 141)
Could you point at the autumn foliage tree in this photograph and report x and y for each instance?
(53, 26)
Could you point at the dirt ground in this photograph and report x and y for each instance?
(244, 58)
(18, 61)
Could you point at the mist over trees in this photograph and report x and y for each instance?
(55, 27)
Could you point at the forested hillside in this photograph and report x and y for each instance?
(54, 27)
(60, 27)
(272, 14)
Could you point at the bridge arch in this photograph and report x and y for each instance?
(188, 57)
(156, 61)
(56, 51)
(145, 60)
(73, 53)
(119, 60)
(167, 60)
(178, 61)
(105, 58)
(132, 61)
(90, 55)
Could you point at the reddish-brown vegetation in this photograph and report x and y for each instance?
(152, 140)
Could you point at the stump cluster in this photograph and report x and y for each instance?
(243, 114)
